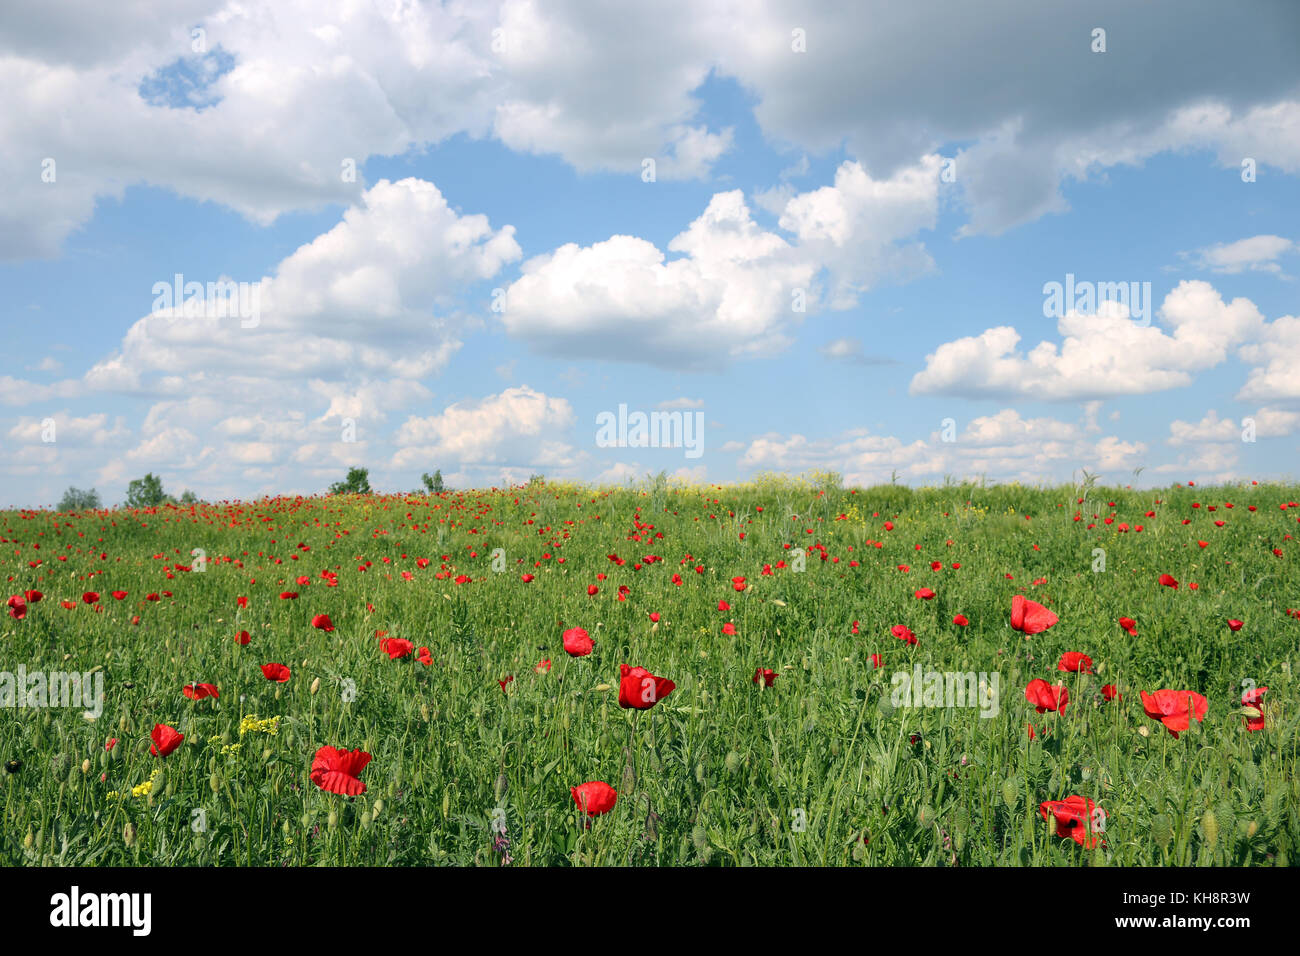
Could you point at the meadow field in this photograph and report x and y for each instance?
(833, 676)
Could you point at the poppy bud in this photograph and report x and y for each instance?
(29, 840)
(128, 834)
(1251, 829)
(1210, 827)
(1010, 791)
(700, 838)
(315, 685)
(379, 806)
(732, 761)
(365, 820)
(500, 789)
(85, 765)
(1162, 830)
(446, 803)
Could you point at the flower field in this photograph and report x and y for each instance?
(757, 674)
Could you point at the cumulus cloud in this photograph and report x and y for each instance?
(1002, 446)
(1101, 355)
(520, 427)
(348, 304)
(727, 296)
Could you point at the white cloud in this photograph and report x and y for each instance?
(1255, 254)
(1276, 357)
(1101, 355)
(520, 427)
(1209, 429)
(728, 295)
(1003, 446)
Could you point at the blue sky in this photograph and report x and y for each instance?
(510, 170)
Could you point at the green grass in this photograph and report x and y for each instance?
(720, 772)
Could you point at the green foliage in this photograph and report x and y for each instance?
(356, 483)
(146, 492)
(433, 483)
(719, 771)
(77, 499)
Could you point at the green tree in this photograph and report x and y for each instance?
(433, 484)
(356, 483)
(76, 499)
(146, 492)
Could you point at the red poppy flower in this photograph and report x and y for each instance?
(241, 602)
(543, 667)
(1235, 625)
(925, 594)
(1074, 662)
(1253, 699)
(322, 622)
(1030, 616)
(577, 643)
(640, 689)
(903, 633)
(288, 595)
(877, 660)
(242, 638)
(594, 798)
(1175, 708)
(276, 672)
(199, 691)
(1045, 696)
(33, 597)
(69, 605)
(1110, 692)
(17, 607)
(165, 740)
(503, 683)
(961, 620)
(1129, 625)
(424, 657)
(396, 647)
(90, 597)
(1077, 819)
(337, 770)
(729, 629)
(738, 583)
(526, 578)
(152, 597)
(768, 677)
(654, 617)
(1168, 581)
